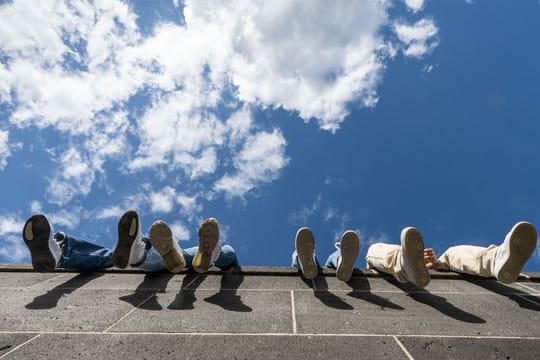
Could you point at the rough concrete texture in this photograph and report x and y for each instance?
(264, 313)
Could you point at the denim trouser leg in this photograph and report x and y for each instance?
(294, 262)
(332, 261)
(84, 256)
(154, 261)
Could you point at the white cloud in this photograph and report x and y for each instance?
(162, 201)
(419, 38)
(377, 238)
(112, 212)
(10, 224)
(302, 216)
(415, 5)
(5, 151)
(13, 249)
(180, 231)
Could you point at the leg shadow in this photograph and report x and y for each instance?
(320, 290)
(227, 296)
(155, 282)
(522, 298)
(50, 299)
(439, 303)
(361, 290)
(186, 296)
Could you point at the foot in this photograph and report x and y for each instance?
(44, 250)
(162, 240)
(209, 246)
(305, 250)
(130, 249)
(412, 257)
(349, 246)
(514, 252)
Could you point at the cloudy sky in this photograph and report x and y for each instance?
(368, 115)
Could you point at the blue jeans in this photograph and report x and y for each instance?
(86, 256)
(331, 262)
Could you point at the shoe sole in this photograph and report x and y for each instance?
(413, 246)
(208, 239)
(349, 247)
(162, 240)
(128, 228)
(522, 244)
(305, 249)
(36, 234)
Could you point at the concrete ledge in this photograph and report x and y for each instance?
(274, 271)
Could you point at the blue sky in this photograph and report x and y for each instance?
(370, 116)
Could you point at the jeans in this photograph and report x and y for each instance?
(331, 262)
(86, 256)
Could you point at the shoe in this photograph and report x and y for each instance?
(130, 249)
(412, 257)
(209, 247)
(514, 252)
(349, 246)
(305, 250)
(44, 250)
(162, 240)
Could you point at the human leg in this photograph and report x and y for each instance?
(209, 247)
(130, 249)
(304, 257)
(82, 255)
(162, 241)
(44, 250)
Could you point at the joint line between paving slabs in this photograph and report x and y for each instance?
(293, 312)
(529, 300)
(20, 345)
(130, 312)
(409, 356)
(528, 288)
(46, 281)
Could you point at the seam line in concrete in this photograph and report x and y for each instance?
(293, 312)
(409, 356)
(529, 300)
(20, 345)
(272, 334)
(46, 281)
(314, 284)
(528, 288)
(189, 284)
(130, 312)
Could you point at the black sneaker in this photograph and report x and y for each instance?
(44, 250)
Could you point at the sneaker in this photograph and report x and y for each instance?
(514, 252)
(209, 247)
(130, 249)
(305, 250)
(162, 240)
(44, 250)
(412, 257)
(349, 246)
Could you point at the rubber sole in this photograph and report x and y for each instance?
(521, 245)
(349, 247)
(128, 228)
(305, 249)
(208, 240)
(162, 240)
(412, 247)
(36, 235)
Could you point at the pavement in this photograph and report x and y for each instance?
(264, 313)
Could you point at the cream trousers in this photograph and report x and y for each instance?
(474, 260)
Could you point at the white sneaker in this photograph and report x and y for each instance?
(412, 257)
(130, 248)
(514, 252)
(209, 246)
(305, 250)
(349, 246)
(44, 250)
(162, 240)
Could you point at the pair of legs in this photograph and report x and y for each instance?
(154, 253)
(343, 259)
(410, 261)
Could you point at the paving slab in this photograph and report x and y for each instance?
(65, 310)
(8, 342)
(17, 280)
(416, 314)
(250, 282)
(210, 312)
(459, 348)
(113, 347)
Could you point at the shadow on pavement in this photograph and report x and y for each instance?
(186, 296)
(50, 299)
(522, 298)
(155, 282)
(320, 290)
(361, 290)
(437, 302)
(227, 297)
